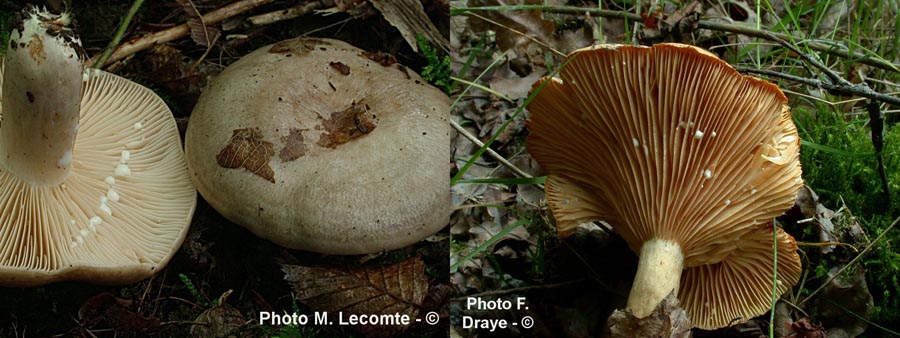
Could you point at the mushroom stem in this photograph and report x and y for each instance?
(41, 98)
(658, 274)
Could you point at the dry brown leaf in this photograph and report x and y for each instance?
(202, 34)
(851, 293)
(668, 320)
(515, 29)
(398, 288)
(107, 310)
(409, 17)
(221, 320)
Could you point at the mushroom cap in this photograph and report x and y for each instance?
(739, 286)
(102, 225)
(665, 142)
(314, 146)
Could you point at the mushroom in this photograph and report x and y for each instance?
(687, 159)
(110, 205)
(320, 146)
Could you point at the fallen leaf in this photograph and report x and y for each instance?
(202, 34)
(409, 17)
(247, 150)
(111, 311)
(347, 125)
(848, 292)
(221, 320)
(385, 290)
(668, 320)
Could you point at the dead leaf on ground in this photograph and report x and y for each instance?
(107, 310)
(806, 328)
(668, 320)
(201, 33)
(846, 292)
(409, 17)
(398, 288)
(221, 320)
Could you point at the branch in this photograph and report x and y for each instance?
(832, 49)
(177, 32)
(123, 26)
(860, 89)
(494, 154)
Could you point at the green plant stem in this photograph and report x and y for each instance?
(854, 314)
(488, 243)
(832, 49)
(774, 279)
(862, 253)
(120, 32)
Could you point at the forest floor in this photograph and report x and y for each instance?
(222, 276)
(504, 242)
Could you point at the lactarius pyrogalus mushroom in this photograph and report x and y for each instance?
(110, 205)
(687, 159)
(317, 145)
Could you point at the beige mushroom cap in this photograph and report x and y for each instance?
(122, 211)
(670, 143)
(314, 146)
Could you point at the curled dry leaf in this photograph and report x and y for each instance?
(409, 17)
(848, 292)
(668, 320)
(202, 34)
(221, 320)
(385, 290)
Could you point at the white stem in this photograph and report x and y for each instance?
(41, 98)
(658, 274)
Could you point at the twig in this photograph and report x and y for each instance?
(703, 24)
(288, 14)
(489, 151)
(876, 123)
(177, 32)
(874, 243)
(520, 289)
(837, 89)
(123, 26)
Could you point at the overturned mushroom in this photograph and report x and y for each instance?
(687, 159)
(110, 205)
(316, 145)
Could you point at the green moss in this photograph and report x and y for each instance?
(849, 173)
(437, 72)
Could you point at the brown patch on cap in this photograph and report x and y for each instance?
(36, 49)
(344, 126)
(383, 59)
(340, 67)
(297, 46)
(30, 96)
(247, 150)
(293, 145)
